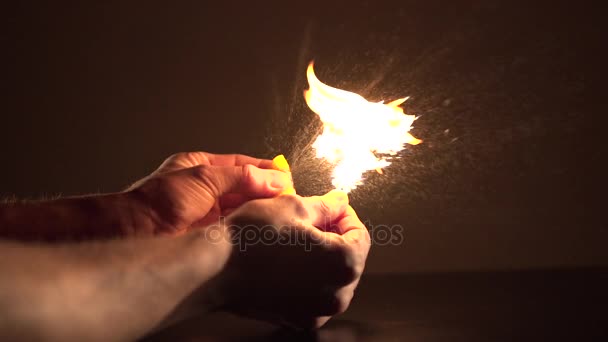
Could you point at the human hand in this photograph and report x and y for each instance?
(296, 261)
(195, 189)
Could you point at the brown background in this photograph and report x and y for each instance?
(95, 95)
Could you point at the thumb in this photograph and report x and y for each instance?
(247, 180)
(326, 209)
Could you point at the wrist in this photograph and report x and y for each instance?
(134, 215)
(118, 215)
(212, 248)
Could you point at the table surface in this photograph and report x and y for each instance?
(480, 306)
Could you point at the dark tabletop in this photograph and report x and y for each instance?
(504, 306)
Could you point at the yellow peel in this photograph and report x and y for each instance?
(280, 163)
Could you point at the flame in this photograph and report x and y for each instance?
(358, 135)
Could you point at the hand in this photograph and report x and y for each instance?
(296, 261)
(194, 189)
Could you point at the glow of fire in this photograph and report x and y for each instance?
(358, 135)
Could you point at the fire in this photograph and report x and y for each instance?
(358, 135)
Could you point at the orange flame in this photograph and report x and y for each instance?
(358, 135)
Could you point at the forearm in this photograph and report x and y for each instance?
(116, 290)
(75, 218)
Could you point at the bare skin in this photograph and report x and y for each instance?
(187, 190)
(175, 258)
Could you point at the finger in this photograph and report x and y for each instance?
(348, 222)
(325, 210)
(186, 160)
(263, 183)
(247, 180)
(237, 160)
(353, 231)
(183, 160)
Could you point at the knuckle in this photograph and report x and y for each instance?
(342, 301)
(185, 158)
(324, 207)
(350, 273)
(238, 157)
(348, 269)
(177, 156)
(337, 302)
(248, 179)
(189, 157)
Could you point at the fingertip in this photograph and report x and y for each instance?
(280, 181)
(264, 182)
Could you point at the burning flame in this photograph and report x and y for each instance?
(358, 135)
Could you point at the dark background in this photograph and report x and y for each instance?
(96, 94)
